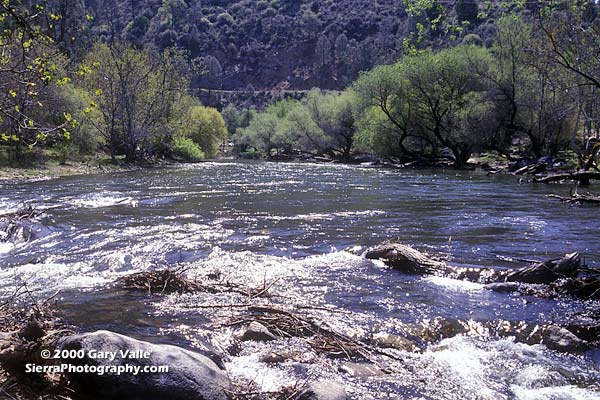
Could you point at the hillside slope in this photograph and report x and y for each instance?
(281, 44)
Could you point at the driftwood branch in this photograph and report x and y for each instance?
(583, 177)
(586, 198)
(409, 260)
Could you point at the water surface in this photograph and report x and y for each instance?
(255, 222)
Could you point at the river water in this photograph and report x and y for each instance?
(253, 223)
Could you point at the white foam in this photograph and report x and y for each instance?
(104, 199)
(454, 284)
(268, 379)
(493, 368)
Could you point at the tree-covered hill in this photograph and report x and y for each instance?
(282, 44)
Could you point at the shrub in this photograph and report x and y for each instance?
(188, 150)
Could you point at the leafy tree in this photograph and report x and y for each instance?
(134, 91)
(323, 52)
(210, 73)
(236, 119)
(333, 115)
(341, 47)
(29, 67)
(271, 132)
(427, 102)
(386, 108)
(187, 149)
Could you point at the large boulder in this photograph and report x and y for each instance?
(190, 375)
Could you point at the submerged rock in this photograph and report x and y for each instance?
(388, 340)
(190, 375)
(258, 332)
(324, 390)
(503, 287)
(561, 339)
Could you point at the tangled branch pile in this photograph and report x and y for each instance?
(24, 333)
(167, 281)
(287, 324)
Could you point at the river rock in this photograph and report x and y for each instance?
(273, 358)
(190, 376)
(258, 332)
(360, 370)
(561, 339)
(324, 390)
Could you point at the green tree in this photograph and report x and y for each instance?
(386, 110)
(445, 85)
(333, 114)
(29, 68)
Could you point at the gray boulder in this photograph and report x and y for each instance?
(388, 340)
(360, 370)
(190, 375)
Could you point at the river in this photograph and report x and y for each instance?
(253, 223)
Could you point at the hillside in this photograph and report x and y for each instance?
(281, 44)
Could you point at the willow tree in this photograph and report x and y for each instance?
(385, 111)
(333, 114)
(206, 127)
(449, 95)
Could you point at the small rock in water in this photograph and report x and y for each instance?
(258, 332)
(190, 375)
(360, 370)
(560, 339)
(324, 390)
(387, 340)
(505, 287)
(273, 358)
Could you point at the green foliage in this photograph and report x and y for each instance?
(29, 70)
(236, 119)
(187, 149)
(320, 124)
(205, 127)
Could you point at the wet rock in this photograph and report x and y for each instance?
(438, 329)
(324, 390)
(360, 370)
(258, 332)
(560, 339)
(273, 358)
(387, 340)
(190, 375)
